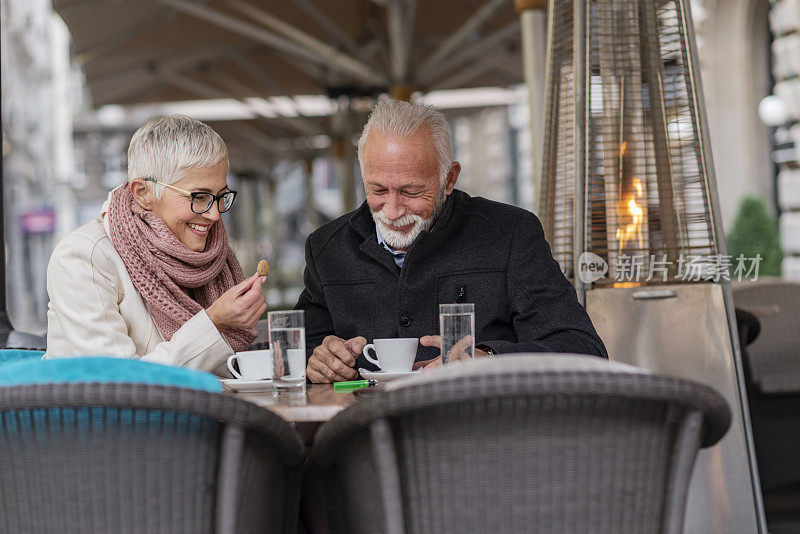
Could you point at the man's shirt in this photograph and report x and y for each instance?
(398, 255)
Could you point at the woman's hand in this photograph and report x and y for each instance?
(240, 306)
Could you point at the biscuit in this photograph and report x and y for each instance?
(263, 268)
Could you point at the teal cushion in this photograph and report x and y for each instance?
(104, 369)
(13, 355)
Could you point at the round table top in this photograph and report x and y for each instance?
(320, 403)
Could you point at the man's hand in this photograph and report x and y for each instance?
(458, 352)
(334, 359)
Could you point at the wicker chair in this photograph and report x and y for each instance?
(23, 340)
(771, 362)
(523, 443)
(15, 355)
(136, 458)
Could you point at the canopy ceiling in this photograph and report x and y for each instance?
(165, 50)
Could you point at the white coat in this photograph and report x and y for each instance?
(95, 309)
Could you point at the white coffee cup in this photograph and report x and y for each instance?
(253, 364)
(395, 355)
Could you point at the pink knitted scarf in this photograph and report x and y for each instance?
(159, 266)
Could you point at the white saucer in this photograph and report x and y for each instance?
(235, 384)
(382, 376)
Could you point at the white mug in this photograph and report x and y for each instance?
(253, 364)
(395, 355)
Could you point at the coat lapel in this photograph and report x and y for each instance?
(443, 228)
(362, 222)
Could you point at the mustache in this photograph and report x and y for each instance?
(403, 220)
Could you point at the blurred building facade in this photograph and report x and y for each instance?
(784, 18)
(37, 151)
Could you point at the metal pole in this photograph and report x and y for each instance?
(5, 323)
(333, 29)
(670, 226)
(343, 152)
(308, 183)
(707, 160)
(544, 209)
(401, 29)
(317, 53)
(470, 52)
(579, 140)
(532, 14)
(433, 63)
(348, 160)
(325, 54)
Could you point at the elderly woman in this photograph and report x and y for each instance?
(154, 277)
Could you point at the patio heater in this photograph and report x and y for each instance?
(628, 202)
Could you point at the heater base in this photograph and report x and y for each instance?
(682, 330)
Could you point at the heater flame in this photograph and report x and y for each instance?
(633, 230)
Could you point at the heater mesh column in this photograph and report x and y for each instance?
(645, 183)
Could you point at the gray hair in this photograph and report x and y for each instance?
(164, 147)
(404, 119)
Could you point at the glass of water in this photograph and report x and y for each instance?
(287, 339)
(457, 328)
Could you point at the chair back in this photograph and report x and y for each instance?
(136, 457)
(772, 356)
(772, 376)
(24, 340)
(523, 443)
(15, 355)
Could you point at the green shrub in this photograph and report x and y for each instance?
(755, 231)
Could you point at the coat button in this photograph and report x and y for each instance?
(405, 320)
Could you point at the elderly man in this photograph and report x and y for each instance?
(382, 270)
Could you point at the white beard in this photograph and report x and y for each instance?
(402, 240)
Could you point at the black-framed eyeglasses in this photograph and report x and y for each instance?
(201, 202)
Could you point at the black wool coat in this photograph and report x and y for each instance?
(479, 251)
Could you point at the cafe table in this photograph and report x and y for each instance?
(321, 403)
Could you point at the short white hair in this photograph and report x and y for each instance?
(403, 119)
(165, 147)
